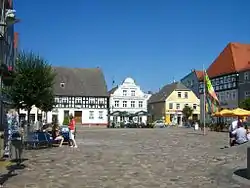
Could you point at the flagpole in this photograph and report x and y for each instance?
(204, 102)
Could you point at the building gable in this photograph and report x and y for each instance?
(80, 82)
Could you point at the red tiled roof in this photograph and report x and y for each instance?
(234, 58)
(199, 74)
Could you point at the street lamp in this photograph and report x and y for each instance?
(8, 18)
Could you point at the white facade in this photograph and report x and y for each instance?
(128, 97)
(86, 110)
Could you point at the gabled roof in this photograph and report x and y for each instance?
(113, 90)
(199, 74)
(166, 91)
(234, 58)
(80, 82)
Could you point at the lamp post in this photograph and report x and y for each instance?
(7, 19)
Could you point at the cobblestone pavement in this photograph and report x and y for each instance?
(136, 158)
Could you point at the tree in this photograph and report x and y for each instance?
(33, 83)
(187, 112)
(47, 103)
(245, 104)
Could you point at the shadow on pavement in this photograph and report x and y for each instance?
(11, 172)
(196, 133)
(242, 173)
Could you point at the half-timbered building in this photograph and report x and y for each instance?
(80, 92)
(230, 75)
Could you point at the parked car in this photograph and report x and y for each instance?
(159, 124)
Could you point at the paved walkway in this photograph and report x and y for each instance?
(134, 158)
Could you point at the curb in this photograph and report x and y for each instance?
(241, 179)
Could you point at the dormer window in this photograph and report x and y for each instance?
(62, 85)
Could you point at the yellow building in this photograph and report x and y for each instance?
(169, 102)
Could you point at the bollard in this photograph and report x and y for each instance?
(248, 162)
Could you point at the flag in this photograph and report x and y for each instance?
(210, 89)
(211, 97)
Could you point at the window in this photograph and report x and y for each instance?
(124, 104)
(177, 106)
(132, 93)
(66, 113)
(194, 106)
(116, 103)
(186, 95)
(170, 105)
(140, 104)
(78, 100)
(100, 114)
(233, 95)
(186, 105)
(246, 76)
(247, 94)
(91, 114)
(124, 92)
(132, 104)
(179, 94)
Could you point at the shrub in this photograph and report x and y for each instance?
(122, 125)
(66, 121)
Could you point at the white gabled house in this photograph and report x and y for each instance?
(128, 97)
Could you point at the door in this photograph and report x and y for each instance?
(78, 117)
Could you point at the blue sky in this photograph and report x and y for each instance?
(152, 41)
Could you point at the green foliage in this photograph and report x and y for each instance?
(187, 112)
(66, 120)
(33, 83)
(245, 104)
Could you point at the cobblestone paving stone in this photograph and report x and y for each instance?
(136, 158)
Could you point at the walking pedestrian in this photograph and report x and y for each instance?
(72, 127)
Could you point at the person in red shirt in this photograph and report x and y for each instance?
(72, 127)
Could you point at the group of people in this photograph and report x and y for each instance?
(56, 135)
(238, 133)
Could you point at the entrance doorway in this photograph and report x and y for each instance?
(78, 117)
(179, 120)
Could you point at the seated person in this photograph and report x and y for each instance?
(240, 135)
(56, 135)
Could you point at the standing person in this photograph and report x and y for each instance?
(72, 127)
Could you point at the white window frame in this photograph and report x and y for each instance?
(124, 104)
(140, 104)
(246, 76)
(195, 106)
(100, 114)
(132, 104)
(186, 95)
(133, 93)
(170, 106)
(91, 115)
(178, 106)
(247, 94)
(116, 103)
(124, 92)
(179, 94)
